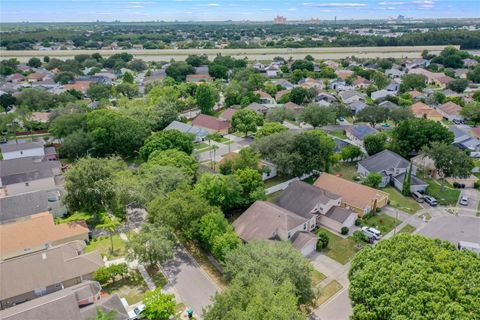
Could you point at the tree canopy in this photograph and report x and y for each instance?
(165, 140)
(412, 277)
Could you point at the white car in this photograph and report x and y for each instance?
(135, 312)
(464, 200)
(372, 233)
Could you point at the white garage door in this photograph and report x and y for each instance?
(309, 248)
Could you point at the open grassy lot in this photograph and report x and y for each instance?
(317, 277)
(132, 288)
(328, 291)
(345, 170)
(399, 201)
(448, 197)
(407, 229)
(338, 133)
(339, 249)
(381, 222)
(103, 245)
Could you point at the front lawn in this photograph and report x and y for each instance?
(399, 201)
(103, 245)
(339, 249)
(201, 145)
(345, 170)
(132, 288)
(317, 277)
(448, 197)
(407, 229)
(381, 222)
(327, 292)
(157, 276)
(338, 133)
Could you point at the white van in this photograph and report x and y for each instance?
(417, 196)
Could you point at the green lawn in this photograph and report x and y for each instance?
(345, 170)
(132, 288)
(157, 276)
(399, 201)
(201, 145)
(76, 216)
(317, 277)
(381, 222)
(448, 197)
(327, 292)
(339, 249)
(407, 229)
(275, 180)
(104, 247)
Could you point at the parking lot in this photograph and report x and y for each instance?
(453, 229)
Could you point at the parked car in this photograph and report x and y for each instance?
(372, 233)
(135, 312)
(418, 197)
(430, 200)
(464, 200)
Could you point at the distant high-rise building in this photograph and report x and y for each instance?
(280, 20)
(400, 17)
(315, 21)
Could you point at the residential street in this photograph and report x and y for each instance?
(188, 281)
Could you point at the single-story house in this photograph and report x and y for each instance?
(450, 111)
(198, 133)
(381, 94)
(267, 221)
(361, 83)
(325, 97)
(281, 93)
(393, 168)
(394, 73)
(259, 108)
(227, 114)
(344, 74)
(33, 275)
(421, 110)
(351, 96)
(265, 98)
(357, 133)
(78, 302)
(388, 104)
(80, 85)
(284, 83)
(22, 150)
(198, 78)
(305, 199)
(36, 233)
(295, 108)
(356, 197)
(357, 106)
(211, 124)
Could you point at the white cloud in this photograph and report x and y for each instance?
(135, 6)
(292, 9)
(213, 5)
(336, 4)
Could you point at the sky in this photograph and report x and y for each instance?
(221, 10)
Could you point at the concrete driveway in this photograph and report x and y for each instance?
(452, 228)
(188, 281)
(473, 200)
(338, 308)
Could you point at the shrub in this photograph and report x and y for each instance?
(322, 240)
(477, 185)
(456, 185)
(359, 237)
(107, 274)
(358, 222)
(344, 230)
(377, 210)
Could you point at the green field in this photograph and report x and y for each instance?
(339, 249)
(399, 201)
(103, 245)
(381, 222)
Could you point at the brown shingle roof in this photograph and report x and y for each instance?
(353, 194)
(265, 220)
(228, 114)
(280, 94)
(81, 85)
(450, 108)
(38, 230)
(209, 122)
(420, 109)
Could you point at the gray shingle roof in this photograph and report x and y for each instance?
(26, 169)
(186, 128)
(338, 214)
(415, 181)
(384, 161)
(361, 130)
(20, 146)
(301, 198)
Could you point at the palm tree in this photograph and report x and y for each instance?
(110, 224)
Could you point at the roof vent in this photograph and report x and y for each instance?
(44, 256)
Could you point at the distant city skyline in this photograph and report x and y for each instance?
(222, 10)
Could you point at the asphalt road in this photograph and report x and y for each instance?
(453, 229)
(253, 54)
(190, 283)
